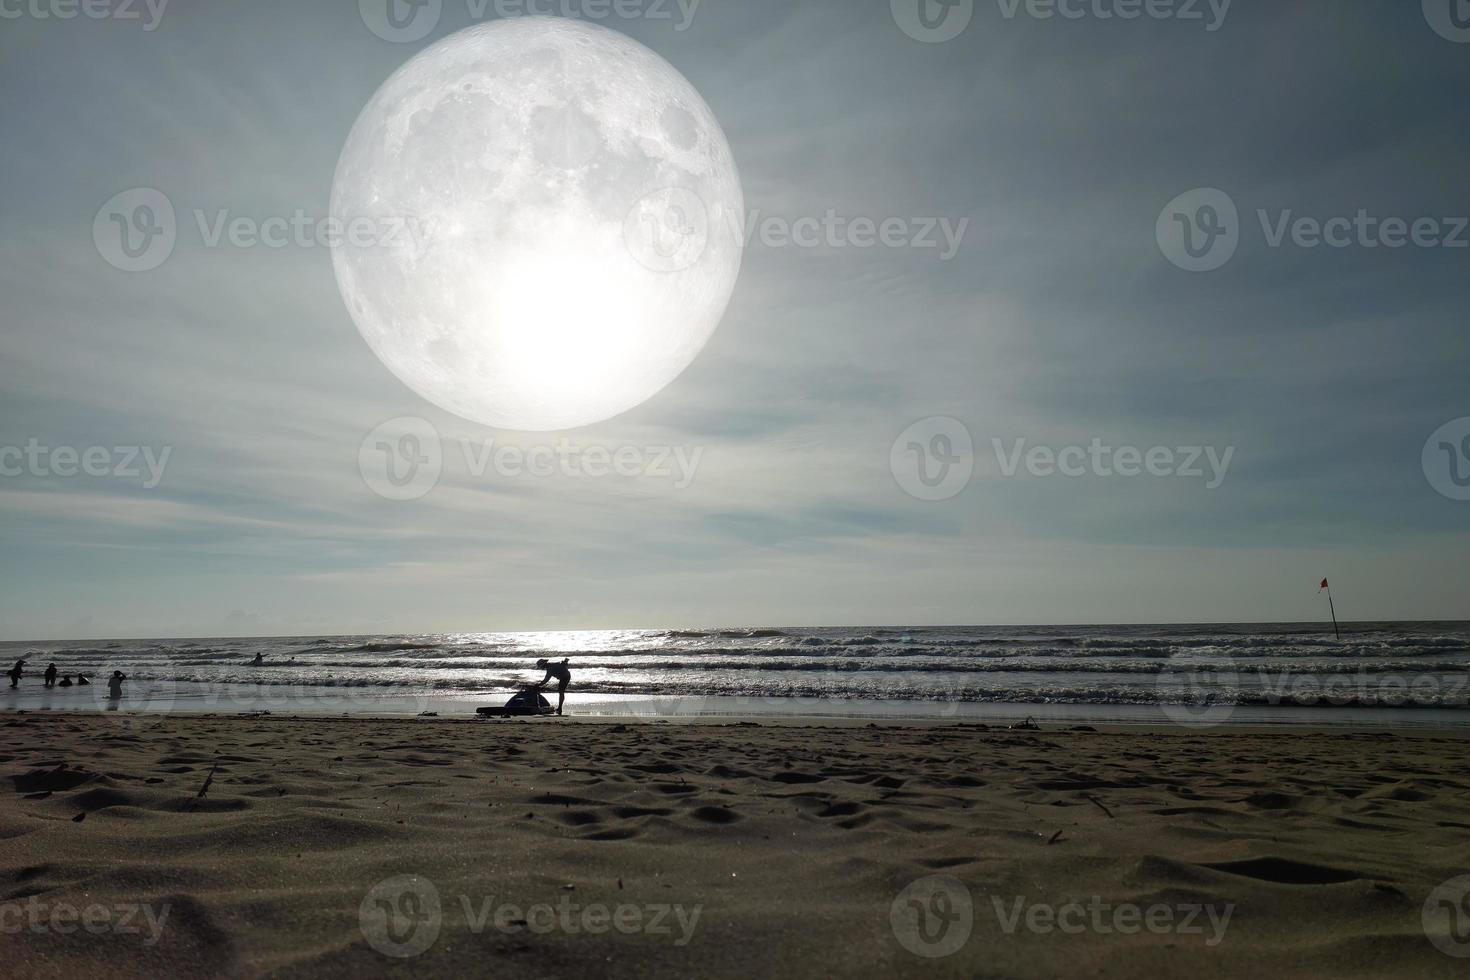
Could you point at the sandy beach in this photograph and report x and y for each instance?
(246, 846)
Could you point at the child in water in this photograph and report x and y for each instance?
(114, 685)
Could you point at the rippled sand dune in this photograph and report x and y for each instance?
(240, 846)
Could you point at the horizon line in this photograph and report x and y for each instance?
(1326, 624)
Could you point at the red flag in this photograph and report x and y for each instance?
(1337, 632)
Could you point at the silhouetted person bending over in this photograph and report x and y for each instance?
(50, 676)
(563, 678)
(114, 685)
(15, 672)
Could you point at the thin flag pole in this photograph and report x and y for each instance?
(1331, 606)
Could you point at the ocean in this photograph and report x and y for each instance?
(1195, 675)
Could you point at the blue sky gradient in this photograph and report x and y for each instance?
(1058, 320)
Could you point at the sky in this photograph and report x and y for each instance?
(1321, 387)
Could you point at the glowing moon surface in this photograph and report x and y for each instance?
(547, 217)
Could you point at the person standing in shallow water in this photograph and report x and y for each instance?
(15, 672)
(114, 685)
(50, 676)
(563, 678)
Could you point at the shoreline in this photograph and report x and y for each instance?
(148, 721)
(374, 702)
(142, 722)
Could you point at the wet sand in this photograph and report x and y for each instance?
(243, 846)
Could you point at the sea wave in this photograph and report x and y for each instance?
(1452, 696)
(1098, 665)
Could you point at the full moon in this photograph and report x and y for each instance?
(540, 223)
